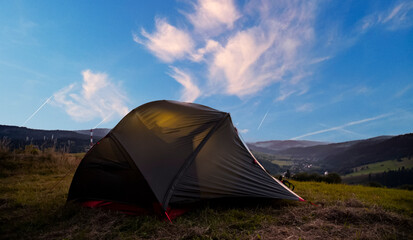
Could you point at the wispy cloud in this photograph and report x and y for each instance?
(97, 97)
(258, 56)
(307, 107)
(19, 31)
(24, 69)
(342, 126)
(190, 91)
(235, 56)
(398, 17)
(403, 91)
(167, 42)
(213, 16)
(319, 60)
(244, 131)
(284, 94)
(244, 59)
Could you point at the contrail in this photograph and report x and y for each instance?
(265, 116)
(342, 126)
(103, 120)
(351, 132)
(37, 110)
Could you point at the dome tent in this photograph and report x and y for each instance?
(167, 152)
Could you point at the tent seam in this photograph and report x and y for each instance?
(130, 160)
(188, 162)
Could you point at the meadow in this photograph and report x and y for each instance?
(381, 167)
(34, 186)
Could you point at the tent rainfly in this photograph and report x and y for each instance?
(168, 152)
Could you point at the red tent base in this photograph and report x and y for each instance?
(134, 210)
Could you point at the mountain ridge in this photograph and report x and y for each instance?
(340, 157)
(343, 157)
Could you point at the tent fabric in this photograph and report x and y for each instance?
(170, 152)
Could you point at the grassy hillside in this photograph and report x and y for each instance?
(381, 167)
(34, 186)
(342, 157)
(72, 141)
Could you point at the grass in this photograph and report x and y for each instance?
(283, 163)
(33, 191)
(395, 200)
(381, 167)
(275, 159)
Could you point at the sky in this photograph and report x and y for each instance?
(318, 70)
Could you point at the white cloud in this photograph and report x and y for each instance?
(190, 92)
(244, 131)
(211, 46)
(97, 97)
(167, 42)
(266, 53)
(319, 60)
(284, 95)
(400, 13)
(398, 17)
(246, 59)
(213, 16)
(236, 65)
(307, 107)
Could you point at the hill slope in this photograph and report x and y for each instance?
(343, 157)
(300, 155)
(73, 141)
(274, 146)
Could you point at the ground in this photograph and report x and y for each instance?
(34, 186)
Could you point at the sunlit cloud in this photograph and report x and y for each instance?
(210, 47)
(266, 53)
(338, 128)
(190, 91)
(213, 16)
(167, 42)
(245, 59)
(97, 97)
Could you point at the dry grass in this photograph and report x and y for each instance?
(33, 191)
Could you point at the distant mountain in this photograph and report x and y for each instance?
(98, 132)
(73, 141)
(300, 155)
(275, 146)
(342, 157)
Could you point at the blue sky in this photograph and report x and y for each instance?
(315, 70)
